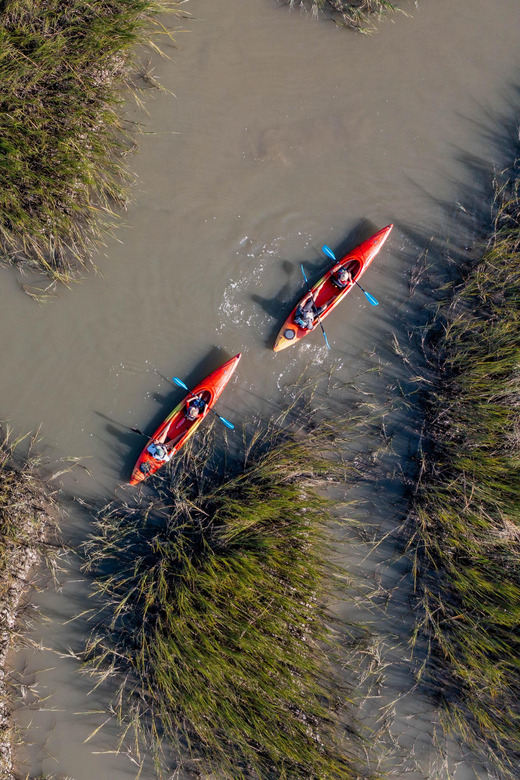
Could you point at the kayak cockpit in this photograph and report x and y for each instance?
(180, 424)
(353, 266)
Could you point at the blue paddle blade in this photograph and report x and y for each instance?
(179, 382)
(303, 272)
(371, 299)
(226, 422)
(328, 251)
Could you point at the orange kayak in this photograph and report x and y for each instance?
(326, 293)
(177, 428)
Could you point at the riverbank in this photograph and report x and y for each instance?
(63, 139)
(27, 525)
(464, 527)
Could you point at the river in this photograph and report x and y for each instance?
(282, 133)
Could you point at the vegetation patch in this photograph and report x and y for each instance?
(214, 619)
(62, 65)
(465, 524)
(27, 524)
(355, 14)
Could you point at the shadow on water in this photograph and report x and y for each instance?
(272, 306)
(363, 230)
(278, 303)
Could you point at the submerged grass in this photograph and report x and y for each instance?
(215, 620)
(465, 522)
(62, 65)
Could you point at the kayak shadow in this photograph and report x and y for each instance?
(276, 307)
(279, 303)
(213, 360)
(363, 230)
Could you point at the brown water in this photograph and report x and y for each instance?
(284, 134)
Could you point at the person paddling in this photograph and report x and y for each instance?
(194, 407)
(160, 450)
(341, 278)
(306, 314)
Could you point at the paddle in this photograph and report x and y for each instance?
(328, 251)
(136, 430)
(180, 383)
(315, 307)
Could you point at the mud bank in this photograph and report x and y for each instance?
(28, 512)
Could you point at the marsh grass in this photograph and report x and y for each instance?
(355, 14)
(62, 66)
(28, 512)
(214, 621)
(464, 528)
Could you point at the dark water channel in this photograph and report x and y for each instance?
(283, 134)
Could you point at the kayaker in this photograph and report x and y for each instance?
(341, 278)
(306, 313)
(194, 408)
(161, 451)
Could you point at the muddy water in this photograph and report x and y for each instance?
(283, 134)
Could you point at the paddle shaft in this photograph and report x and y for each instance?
(136, 430)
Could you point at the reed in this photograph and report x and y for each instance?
(464, 528)
(62, 66)
(214, 616)
(355, 14)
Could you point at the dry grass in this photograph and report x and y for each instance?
(355, 14)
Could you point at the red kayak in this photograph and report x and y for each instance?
(326, 294)
(177, 428)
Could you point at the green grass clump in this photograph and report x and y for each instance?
(215, 616)
(466, 514)
(62, 65)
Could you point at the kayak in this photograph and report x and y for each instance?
(326, 293)
(178, 427)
